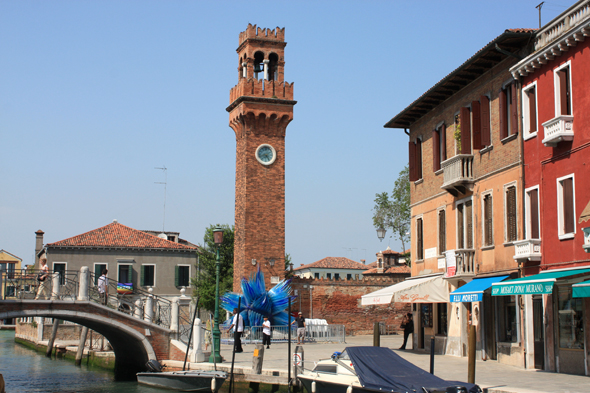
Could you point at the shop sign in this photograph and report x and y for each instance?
(536, 288)
(466, 297)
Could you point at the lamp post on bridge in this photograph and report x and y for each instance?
(216, 355)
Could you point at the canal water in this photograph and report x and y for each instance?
(26, 370)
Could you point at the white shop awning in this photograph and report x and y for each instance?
(430, 289)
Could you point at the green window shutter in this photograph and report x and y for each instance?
(176, 276)
(142, 276)
(97, 273)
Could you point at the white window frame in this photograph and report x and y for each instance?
(189, 274)
(155, 275)
(483, 220)
(556, 88)
(438, 210)
(527, 134)
(457, 203)
(419, 217)
(506, 186)
(527, 211)
(118, 271)
(560, 214)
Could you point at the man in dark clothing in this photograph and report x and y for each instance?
(238, 326)
(300, 328)
(408, 326)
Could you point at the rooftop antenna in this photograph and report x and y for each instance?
(539, 7)
(165, 182)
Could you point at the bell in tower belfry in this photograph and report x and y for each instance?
(261, 107)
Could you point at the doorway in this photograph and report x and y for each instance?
(538, 332)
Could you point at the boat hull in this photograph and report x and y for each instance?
(323, 385)
(183, 381)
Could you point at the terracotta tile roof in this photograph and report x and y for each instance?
(117, 235)
(373, 265)
(334, 263)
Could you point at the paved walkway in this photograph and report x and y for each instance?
(490, 375)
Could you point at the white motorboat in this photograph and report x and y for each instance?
(375, 369)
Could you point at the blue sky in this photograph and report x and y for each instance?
(96, 94)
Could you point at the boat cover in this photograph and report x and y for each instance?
(382, 369)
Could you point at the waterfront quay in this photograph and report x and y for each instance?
(492, 376)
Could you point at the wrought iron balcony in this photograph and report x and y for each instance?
(527, 249)
(464, 264)
(560, 128)
(458, 173)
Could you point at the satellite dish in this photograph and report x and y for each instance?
(163, 236)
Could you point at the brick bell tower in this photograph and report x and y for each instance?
(261, 107)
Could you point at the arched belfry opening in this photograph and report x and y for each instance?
(273, 66)
(258, 65)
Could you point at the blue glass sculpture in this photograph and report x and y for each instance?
(257, 303)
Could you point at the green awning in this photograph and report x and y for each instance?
(581, 289)
(541, 283)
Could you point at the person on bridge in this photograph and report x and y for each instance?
(42, 279)
(238, 326)
(266, 333)
(103, 287)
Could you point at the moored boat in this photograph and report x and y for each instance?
(184, 381)
(375, 369)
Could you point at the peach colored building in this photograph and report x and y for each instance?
(465, 148)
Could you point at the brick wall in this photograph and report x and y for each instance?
(338, 302)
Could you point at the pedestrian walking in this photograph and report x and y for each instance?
(266, 333)
(238, 326)
(300, 321)
(408, 326)
(42, 278)
(103, 287)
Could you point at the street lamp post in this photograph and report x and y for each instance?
(216, 355)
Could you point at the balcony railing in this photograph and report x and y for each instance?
(464, 264)
(560, 128)
(528, 249)
(458, 173)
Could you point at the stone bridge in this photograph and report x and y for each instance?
(134, 340)
(145, 331)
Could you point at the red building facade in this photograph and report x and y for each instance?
(554, 83)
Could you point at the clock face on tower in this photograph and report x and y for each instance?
(266, 154)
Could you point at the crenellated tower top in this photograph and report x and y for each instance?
(256, 33)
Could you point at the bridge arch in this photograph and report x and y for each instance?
(132, 349)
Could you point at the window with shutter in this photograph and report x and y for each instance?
(511, 230)
(460, 227)
(98, 268)
(419, 239)
(465, 118)
(513, 126)
(533, 214)
(476, 125)
(418, 159)
(469, 224)
(435, 150)
(148, 276)
(503, 103)
(442, 232)
(485, 120)
(443, 142)
(563, 94)
(488, 235)
(412, 159)
(568, 205)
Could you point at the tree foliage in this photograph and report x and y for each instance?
(204, 283)
(393, 212)
(288, 271)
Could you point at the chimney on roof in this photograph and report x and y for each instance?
(303, 264)
(363, 261)
(38, 244)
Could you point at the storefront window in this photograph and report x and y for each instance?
(442, 321)
(571, 321)
(507, 318)
(427, 314)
